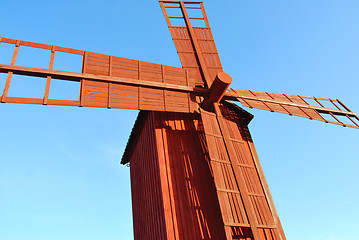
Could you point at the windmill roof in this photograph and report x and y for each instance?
(142, 116)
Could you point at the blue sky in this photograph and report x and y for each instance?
(60, 176)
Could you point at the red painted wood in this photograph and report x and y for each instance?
(196, 179)
(195, 45)
(98, 94)
(148, 217)
(193, 176)
(177, 165)
(256, 187)
(298, 105)
(173, 85)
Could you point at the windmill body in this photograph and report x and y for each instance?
(187, 187)
(194, 170)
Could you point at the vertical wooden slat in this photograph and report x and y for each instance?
(147, 189)
(188, 94)
(9, 75)
(82, 92)
(228, 231)
(173, 196)
(110, 65)
(168, 201)
(16, 51)
(176, 170)
(109, 86)
(165, 13)
(139, 87)
(204, 15)
(82, 82)
(48, 79)
(164, 91)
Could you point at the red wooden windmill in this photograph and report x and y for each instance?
(194, 170)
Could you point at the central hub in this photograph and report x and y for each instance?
(217, 89)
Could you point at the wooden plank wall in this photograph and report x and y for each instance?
(116, 95)
(184, 184)
(189, 197)
(173, 192)
(147, 204)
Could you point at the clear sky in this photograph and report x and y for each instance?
(60, 176)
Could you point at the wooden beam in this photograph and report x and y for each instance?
(176, 1)
(10, 73)
(79, 77)
(41, 45)
(48, 80)
(73, 76)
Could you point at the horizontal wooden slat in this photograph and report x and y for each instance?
(176, 1)
(24, 100)
(95, 93)
(73, 76)
(40, 101)
(63, 102)
(95, 89)
(43, 46)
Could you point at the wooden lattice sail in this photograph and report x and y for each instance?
(322, 109)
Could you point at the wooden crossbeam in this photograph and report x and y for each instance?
(232, 95)
(73, 76)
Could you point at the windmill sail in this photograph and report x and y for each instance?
(192, 35)
(322, 109)
(107, 81)
(244, 201)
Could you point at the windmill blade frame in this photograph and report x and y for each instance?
(326, 109)
(193, 39)
(108, 81)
